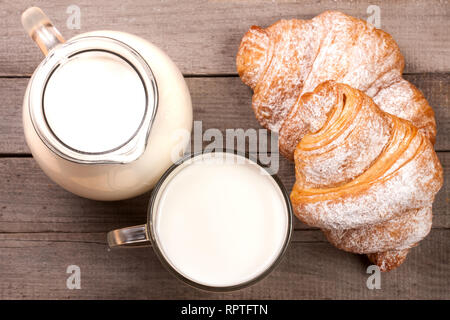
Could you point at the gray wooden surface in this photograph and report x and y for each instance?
(43, 228)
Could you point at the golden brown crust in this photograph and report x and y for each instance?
(364, 176)
(291, 57)
(366, 171)
(403, 231)
(388, 260)
(252, 59)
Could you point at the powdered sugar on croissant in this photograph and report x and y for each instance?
(364, 176)
(291, 57)
(366, 171)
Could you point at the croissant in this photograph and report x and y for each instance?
(365, 177)
(291, 57)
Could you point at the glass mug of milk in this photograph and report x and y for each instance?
(102, 110)
(217, 220)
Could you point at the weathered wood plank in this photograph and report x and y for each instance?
(43, 228)
(33, 266)
(30, 202)
(202, 37)
(222, 103)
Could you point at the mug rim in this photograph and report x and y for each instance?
(149, 227)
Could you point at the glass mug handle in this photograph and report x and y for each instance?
(41, 30)
(129, 237)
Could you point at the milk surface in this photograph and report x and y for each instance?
(94, 102)
(220, 223)
(81, 130)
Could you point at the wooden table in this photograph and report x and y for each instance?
(44, 229)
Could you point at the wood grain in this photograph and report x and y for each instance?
(222, 103)
(202, 37)
(30, 202)
(33, 266)
(43, 228)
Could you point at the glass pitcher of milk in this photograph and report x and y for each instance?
(104, 111)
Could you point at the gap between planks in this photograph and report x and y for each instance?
(219, 75)
(298, 236)
(29, 155)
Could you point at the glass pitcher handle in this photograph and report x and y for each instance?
(129, 237)
(41, 30)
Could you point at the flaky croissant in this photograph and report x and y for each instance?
(365, 177)
(292, 57)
